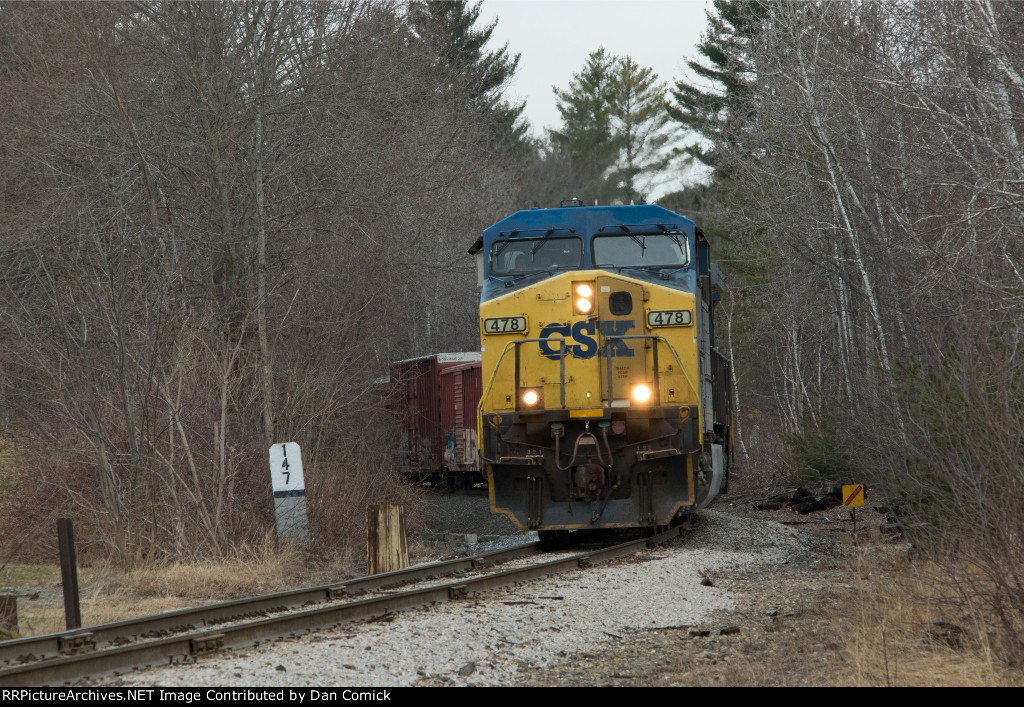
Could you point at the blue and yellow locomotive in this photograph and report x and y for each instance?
(605, 402)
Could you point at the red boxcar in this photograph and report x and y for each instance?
(435, 400)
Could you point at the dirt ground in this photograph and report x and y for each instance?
(845, 610)
(780, 633)
(848, 611)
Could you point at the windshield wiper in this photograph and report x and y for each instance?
(643, 246)
(517, 278)
(649, 269)
(549, 270)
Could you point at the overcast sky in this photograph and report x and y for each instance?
(554, 38)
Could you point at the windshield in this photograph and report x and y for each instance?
(642, 250)
(523, 255)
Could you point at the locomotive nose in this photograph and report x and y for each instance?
(624, 374)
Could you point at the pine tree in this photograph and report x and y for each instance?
(715, 114)
(639, 121)
(587, 139)
(449, 28)
(612, 133)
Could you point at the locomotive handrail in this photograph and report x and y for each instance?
(561, 361)
(494, 372)
(671, 348)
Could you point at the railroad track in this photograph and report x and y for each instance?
(188, 634)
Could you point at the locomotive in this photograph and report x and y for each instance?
(605, 402)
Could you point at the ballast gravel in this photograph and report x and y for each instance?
(495, 637)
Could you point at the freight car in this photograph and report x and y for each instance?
(434, 400)
(605, 401)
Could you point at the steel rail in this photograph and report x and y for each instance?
(43, 647)
(190, 646)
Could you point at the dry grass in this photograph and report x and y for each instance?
(35, 619)
(103, 597)
(252, 571)
(24, 575)
(909, 627)
(108, 594)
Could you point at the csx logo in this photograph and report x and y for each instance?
(584, 333)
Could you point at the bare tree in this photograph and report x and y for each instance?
(225, 221)
(875, 179)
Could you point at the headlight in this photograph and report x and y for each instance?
(641, 393)
(583, 300)
(532, 397)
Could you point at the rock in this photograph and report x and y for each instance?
(281, 669)
(800, 494)
(467, 669)
(815, 503)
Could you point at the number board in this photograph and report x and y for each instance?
(505, 325)
(286, 467)
(672, 317)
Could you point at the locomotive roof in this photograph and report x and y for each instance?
(588, 221)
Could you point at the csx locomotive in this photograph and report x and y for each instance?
(605, 403)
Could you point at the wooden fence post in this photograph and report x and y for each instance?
(386, 546)
(8, 616)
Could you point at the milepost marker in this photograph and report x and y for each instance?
(289, 491)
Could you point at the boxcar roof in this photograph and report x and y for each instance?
(458, 357)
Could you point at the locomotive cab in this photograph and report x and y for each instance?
(605, 403)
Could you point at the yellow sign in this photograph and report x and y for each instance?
(853, 495)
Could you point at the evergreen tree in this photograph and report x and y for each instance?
(715, 113)
(640, 118)
(587, 139)
(449, 28)
(613, 115)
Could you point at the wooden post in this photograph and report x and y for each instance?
(386, 547)
(69, 573)
(8, 616)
